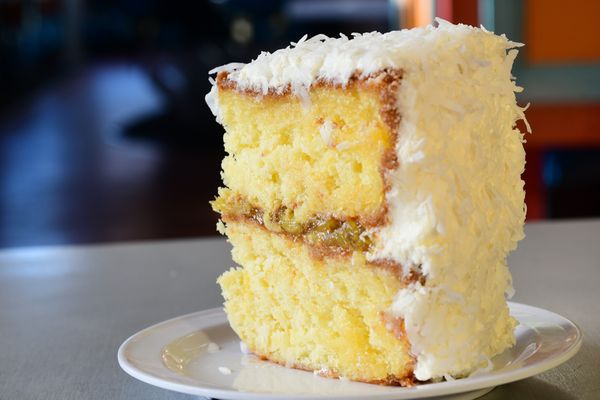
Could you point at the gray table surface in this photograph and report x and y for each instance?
(64, 311)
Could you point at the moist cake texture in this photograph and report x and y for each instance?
(314, 314)
(372, 192)
(327, 152)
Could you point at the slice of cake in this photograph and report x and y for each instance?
(372, 193)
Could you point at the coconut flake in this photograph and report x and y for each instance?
(225, 370)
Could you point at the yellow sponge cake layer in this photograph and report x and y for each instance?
(311, 313)
(310, 158)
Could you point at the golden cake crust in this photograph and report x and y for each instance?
(391, 380)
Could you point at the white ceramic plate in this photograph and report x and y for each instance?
(181, 354)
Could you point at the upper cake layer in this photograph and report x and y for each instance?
(287, 160)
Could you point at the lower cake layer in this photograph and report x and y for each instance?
(321, 314)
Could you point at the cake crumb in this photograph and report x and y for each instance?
(221, 227)
(225, 370)
(212, 347)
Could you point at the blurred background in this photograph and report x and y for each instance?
(105, 136)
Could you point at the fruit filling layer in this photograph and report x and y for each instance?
(335, 234)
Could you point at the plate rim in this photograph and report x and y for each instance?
(464, 385)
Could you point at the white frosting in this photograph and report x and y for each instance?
(456, 202)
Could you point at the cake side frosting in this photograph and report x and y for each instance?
(456, 200)
(456, 203)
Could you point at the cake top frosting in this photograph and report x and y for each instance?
(337, 59)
